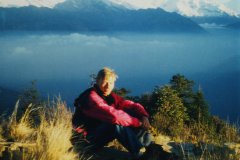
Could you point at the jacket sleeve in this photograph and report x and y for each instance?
(98, 109)
(135, 107)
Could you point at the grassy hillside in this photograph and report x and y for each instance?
(49, 139)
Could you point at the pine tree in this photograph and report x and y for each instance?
(30, 95)
(197, 107)
(170, 112)
(183, 86)
(201, 110)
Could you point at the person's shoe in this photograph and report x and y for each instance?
(156, 152)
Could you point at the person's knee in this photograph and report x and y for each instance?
(147, 139)
(120, 128)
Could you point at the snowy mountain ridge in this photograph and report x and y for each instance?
(184, 7)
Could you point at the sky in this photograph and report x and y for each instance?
(186, 7)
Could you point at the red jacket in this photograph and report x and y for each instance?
(92, 105)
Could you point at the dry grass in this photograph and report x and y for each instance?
(54, 132)
(21, 130)
(51, 138)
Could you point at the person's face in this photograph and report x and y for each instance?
(106, 85)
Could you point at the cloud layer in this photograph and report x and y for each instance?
(68, 56)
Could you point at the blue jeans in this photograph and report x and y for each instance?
(133, 139)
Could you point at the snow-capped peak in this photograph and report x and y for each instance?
(53, 3)
(198, 8)
(186, 7)
(87, 5)
(23, 3)
(228, 11)
(183, 7)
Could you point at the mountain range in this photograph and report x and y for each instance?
(183, 7)
(200, 11)
(207, 12)
(219, 20)
(94, 15)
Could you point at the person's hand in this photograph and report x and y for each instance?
(145, 123)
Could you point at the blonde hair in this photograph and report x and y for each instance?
(106, 73)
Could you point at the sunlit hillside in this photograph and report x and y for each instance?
(42, 131)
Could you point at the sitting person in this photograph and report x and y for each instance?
(102, 116)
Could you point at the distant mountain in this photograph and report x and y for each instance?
(204, 12)
(92, 5)
(94, 15)
(200, 8)
(222, 20)
(8, 99)
(24, 3)
(183, 7)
